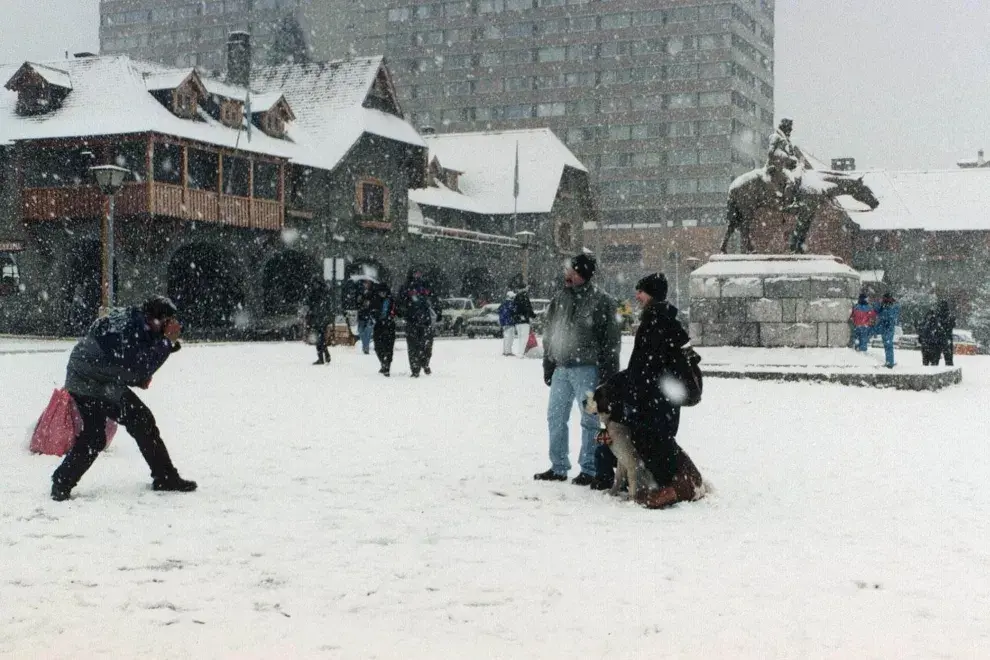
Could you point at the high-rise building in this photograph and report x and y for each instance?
(664, 100)
(190, 32)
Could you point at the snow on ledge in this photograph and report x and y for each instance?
(753, 265)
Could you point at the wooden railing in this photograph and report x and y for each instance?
(164, 199)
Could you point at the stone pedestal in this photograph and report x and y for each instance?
(772, 300)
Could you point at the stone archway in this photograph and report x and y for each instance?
(287, 279)
(81, 288)
(206, 282)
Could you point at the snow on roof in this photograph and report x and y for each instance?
(763, 265)
(51, 75)
(871, 275)
(111, 97)
(327, 99)
(487, 161)
(443, 197)
(166, 79)
(942, 200)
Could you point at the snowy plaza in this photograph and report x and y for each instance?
(344, 515)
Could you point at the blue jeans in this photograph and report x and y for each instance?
(365, 328)
(862, 334)
(570, 384)
(888, 348)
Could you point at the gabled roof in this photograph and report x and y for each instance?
(940, 200)
(50, 74)
(487, 162)
(110, 97)
(172, 80)
(327, 99)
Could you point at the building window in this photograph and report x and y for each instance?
(565, 236)
(236, 176)
(682, 186)
(167, 163)
(713, 99)
(265, 180)
(682, 100)
(372, 199)
(231, 113)
(203, 166)
(615, 21)
(184, 103)
(491, 6)
(550, 110)
(624, 254)
(10, 275)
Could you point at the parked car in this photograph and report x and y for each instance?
(964, 343)
(456, 311)
(486, 324)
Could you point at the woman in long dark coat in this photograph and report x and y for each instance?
(652, 411)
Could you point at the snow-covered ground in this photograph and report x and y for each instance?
(341, 514)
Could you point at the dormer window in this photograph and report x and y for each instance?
(184, 103)
(272, 124)
(39, 88)
(271, 112)
(231, 113)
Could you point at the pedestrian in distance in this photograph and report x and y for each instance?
(523, 315)
(581, 344)
(121, 350)
(419, 305)
(506, 321)
(320, 315)
(366, 301)
(863, 317)
(935, 335)
(384, 329)
(888, 317)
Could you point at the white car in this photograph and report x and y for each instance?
(485, 324)
(456, 311)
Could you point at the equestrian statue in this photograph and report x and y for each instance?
(787, 183)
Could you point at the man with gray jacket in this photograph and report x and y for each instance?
(121, 350)
(581, 350)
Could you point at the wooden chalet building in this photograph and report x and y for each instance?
(232, 218)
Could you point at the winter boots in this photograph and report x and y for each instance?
(173, 482)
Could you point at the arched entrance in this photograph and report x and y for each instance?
(479, 284)
(81, 288)
(206, 283)
(287, 278)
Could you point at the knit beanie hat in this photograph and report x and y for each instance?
(584, 265)
(159, 307)
(654, 285)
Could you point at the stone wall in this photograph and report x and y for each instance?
(772, 301)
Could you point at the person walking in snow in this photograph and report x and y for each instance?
(888, 317)
(523, 314)
(863, 317)
(366, 302)
(384, 330)
(420, 307)
(935, 335)
(652, 409)
(319, 315)
(121, 350)
(506, 321)
(581, 344)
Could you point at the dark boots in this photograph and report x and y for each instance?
(173, 482)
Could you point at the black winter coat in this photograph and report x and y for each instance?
(659, 335)
(320, 304)
(523, 309)
(936, 328)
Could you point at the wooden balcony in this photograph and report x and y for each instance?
(156, 199)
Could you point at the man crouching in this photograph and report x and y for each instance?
(121, 350)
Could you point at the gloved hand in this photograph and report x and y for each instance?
(603, 438)
(548, 369)
(172, 329)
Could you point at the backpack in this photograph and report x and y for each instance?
(505, 313)
(685, 368)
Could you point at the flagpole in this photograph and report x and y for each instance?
(515, 192)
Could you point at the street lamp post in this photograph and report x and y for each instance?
(110, 179)
(525, 240)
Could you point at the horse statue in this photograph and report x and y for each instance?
(755, 190)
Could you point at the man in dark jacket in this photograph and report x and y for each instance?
(320, 314)
(420, 307)
(935, 335)
(384, 329)
(522, 316)
(581, 344)
(121, 350)
(652, 410)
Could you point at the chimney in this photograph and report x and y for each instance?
(239, 58)
(427, 130)
(980, 162)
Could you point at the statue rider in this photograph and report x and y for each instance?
(783, 165)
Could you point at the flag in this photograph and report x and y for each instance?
(515, 174)
(247, 114)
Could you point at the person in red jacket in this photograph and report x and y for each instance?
(863, 318)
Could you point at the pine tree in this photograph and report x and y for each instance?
(979, 315)
(288, 43)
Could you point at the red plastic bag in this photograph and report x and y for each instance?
(60, 424)
(531, 341)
